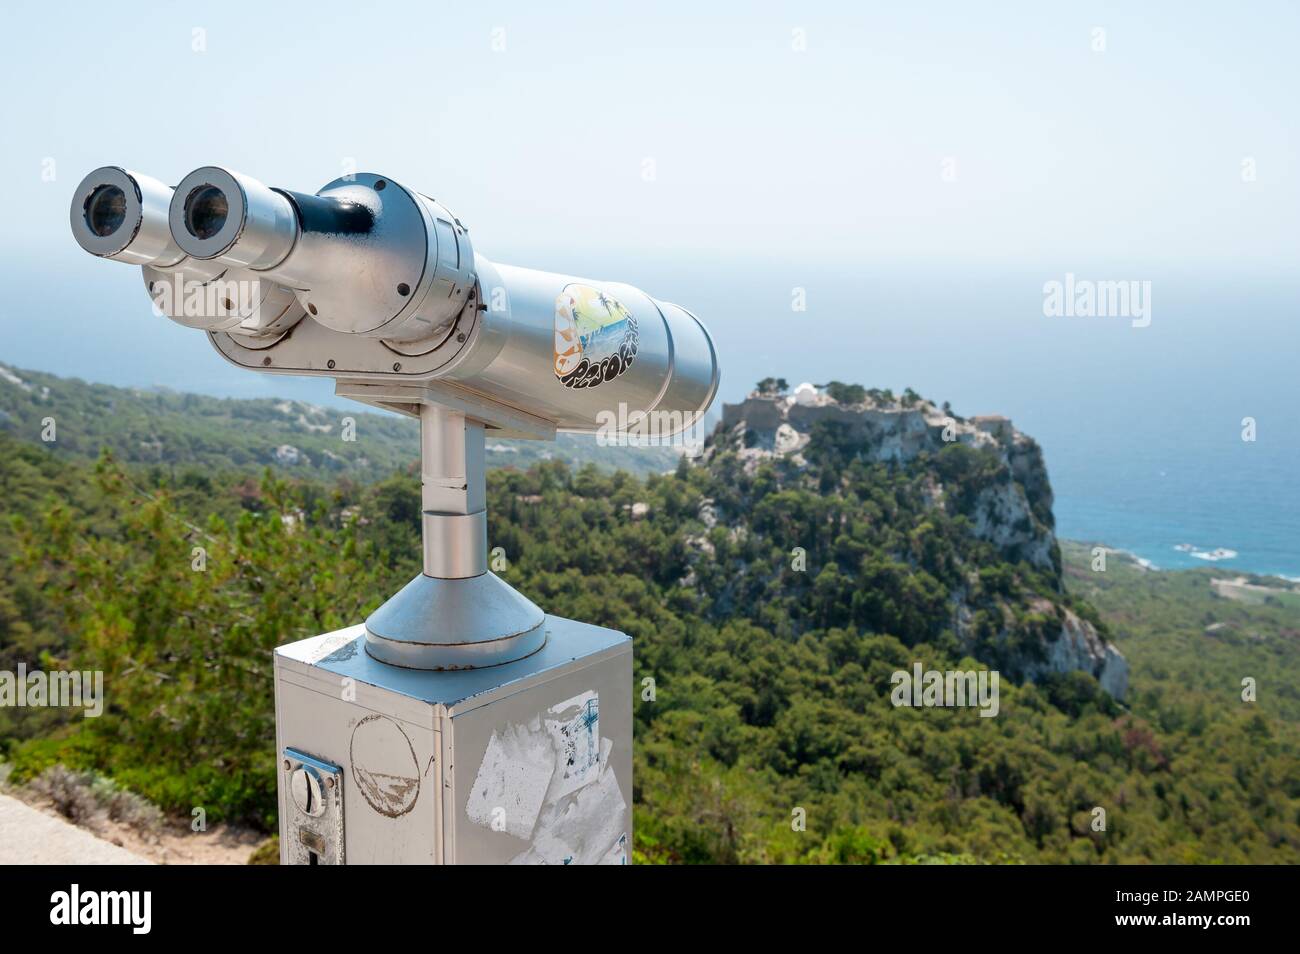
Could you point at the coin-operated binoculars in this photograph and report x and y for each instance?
(459, 723)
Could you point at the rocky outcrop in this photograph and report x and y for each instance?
(1080, 647)
(1015, 515)
(1011, 508)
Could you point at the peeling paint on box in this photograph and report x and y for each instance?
(329, 646)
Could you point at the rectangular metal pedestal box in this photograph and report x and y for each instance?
(528, 762)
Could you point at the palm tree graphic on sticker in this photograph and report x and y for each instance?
(595, 337)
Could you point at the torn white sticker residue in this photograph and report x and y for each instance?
(550, 781)
(576, 734)
(512, 779)
(583, 830)
(617, 854)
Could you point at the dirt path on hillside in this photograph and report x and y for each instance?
(35, 834)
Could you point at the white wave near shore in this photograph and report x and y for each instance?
(1213, 556)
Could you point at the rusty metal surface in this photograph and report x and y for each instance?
(312, 827)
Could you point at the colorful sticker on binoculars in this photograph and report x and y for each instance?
(595, 337)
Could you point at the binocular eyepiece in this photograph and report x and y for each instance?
(134, 218)
(123, 216)
(357, 257)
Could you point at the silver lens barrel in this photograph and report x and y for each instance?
(217, 213)
(378, 260)
(122, 215)
(592, 356)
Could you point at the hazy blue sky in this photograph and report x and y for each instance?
(920, 169)
(806, 168)
(833, 154)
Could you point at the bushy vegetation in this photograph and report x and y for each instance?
(176, 432)
(770, 604)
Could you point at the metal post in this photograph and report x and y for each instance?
(454, 614)
(453, 494)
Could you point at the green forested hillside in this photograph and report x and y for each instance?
(166, 429)
(772, 674)
(1191, 644)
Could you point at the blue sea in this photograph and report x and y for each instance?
(1183, 492)
(1141, 427)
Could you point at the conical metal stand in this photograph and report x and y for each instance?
(456, 614)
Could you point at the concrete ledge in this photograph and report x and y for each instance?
(31, 837)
